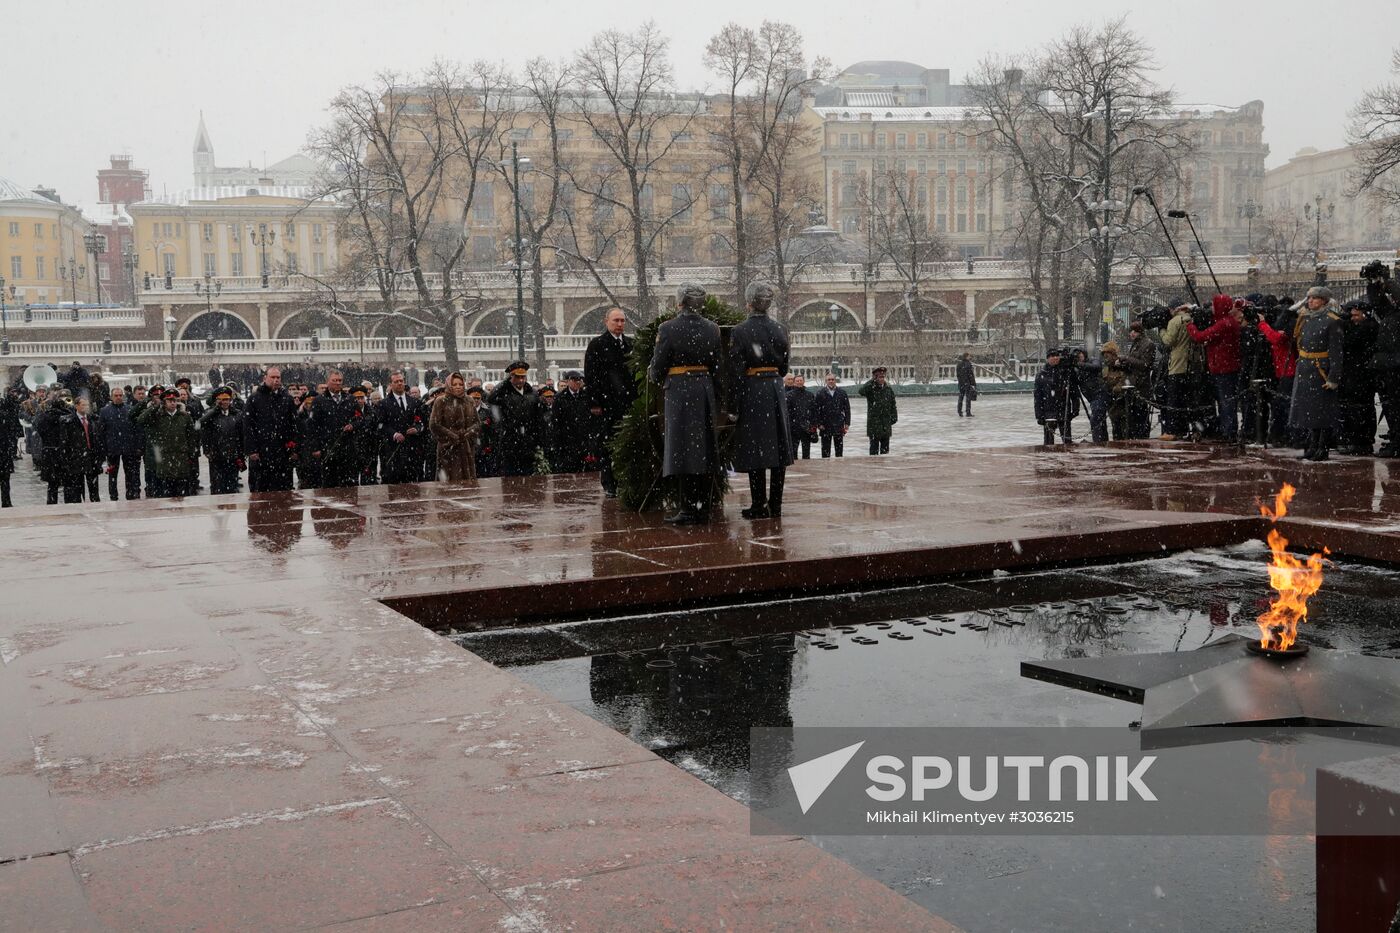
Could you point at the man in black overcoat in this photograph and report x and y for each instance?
(401, 419)
(609, 387)
(270, 435)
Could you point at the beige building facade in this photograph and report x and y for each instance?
(1313, 179)
(43, 258)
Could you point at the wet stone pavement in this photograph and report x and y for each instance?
(689, 685)
(230, 711)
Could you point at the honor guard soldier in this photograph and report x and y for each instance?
(685, 362)
(758, 357)
(1319, 338)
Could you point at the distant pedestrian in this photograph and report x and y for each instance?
(967, 385)
(881, 412)
(799, 406)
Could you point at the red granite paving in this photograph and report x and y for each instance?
(212, 721)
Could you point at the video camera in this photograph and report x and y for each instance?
(1202, 317)
(1157, 317)
(1375, 269)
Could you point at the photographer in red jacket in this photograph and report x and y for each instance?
(1222, 340)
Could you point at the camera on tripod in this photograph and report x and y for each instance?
(1375, 269)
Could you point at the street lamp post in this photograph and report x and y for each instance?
(261, 238)
(516, 161)
(4, 322)
(95, 244)
(73, 281)
(835, 316)
(1108, 232)
(210, 287)
(129, 264)
(170, 325)
(1310, 211)
(1249, 210)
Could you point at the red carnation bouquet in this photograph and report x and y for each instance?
(291, 445)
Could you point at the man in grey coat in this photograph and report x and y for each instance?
(1318, 335)
(758, 358)
(685, 363)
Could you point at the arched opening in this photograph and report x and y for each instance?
(927, 314)
(816, 315)
(220, 325)
(1015, 316)
(311, 321)
(497, 322)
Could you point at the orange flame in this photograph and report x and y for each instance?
(1292, 580)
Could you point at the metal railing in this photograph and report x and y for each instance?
(835, 273)
(59, 316)
(567, 347)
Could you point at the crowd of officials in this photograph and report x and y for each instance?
(288, 427)
(1257, 369)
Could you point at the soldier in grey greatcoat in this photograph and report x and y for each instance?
(686, 363)
(758, 356)
(1318, 336)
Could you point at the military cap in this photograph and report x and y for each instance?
(877, 370)
(358, 390)
(183, 381)
(689, 295)
(573, 374)
(170, 393)
(518, 368)
(546, 390)
(475, 390)
(223, 392)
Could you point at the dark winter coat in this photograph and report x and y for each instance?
(831, 410)
(607, 382)
(1318, 335)
(573, 430)
(329, 416)
(10, 431)
(48, 427)
(82, 451)
(520, 423)
(402, 460)
(221, 436)
(269, 423)
(881, 412)
(1056, 393)
(688, 339)
(763, 434)
(172, 438)
(120, 436)
(967, 374)
(799, 406)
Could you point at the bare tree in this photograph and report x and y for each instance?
(625, 95)
(1083, 128)
(1375, 131)
(543, 98)
(1283, 243)
(764, 75)
(405, 158)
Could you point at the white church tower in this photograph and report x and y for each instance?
(203, 156)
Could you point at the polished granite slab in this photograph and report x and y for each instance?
(220, 714)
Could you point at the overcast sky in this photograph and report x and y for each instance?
(87, 78)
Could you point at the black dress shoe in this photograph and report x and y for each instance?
(681, 518)
(755, 511)
(609, 493)
(775, 511)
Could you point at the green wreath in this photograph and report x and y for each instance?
(637, 445)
